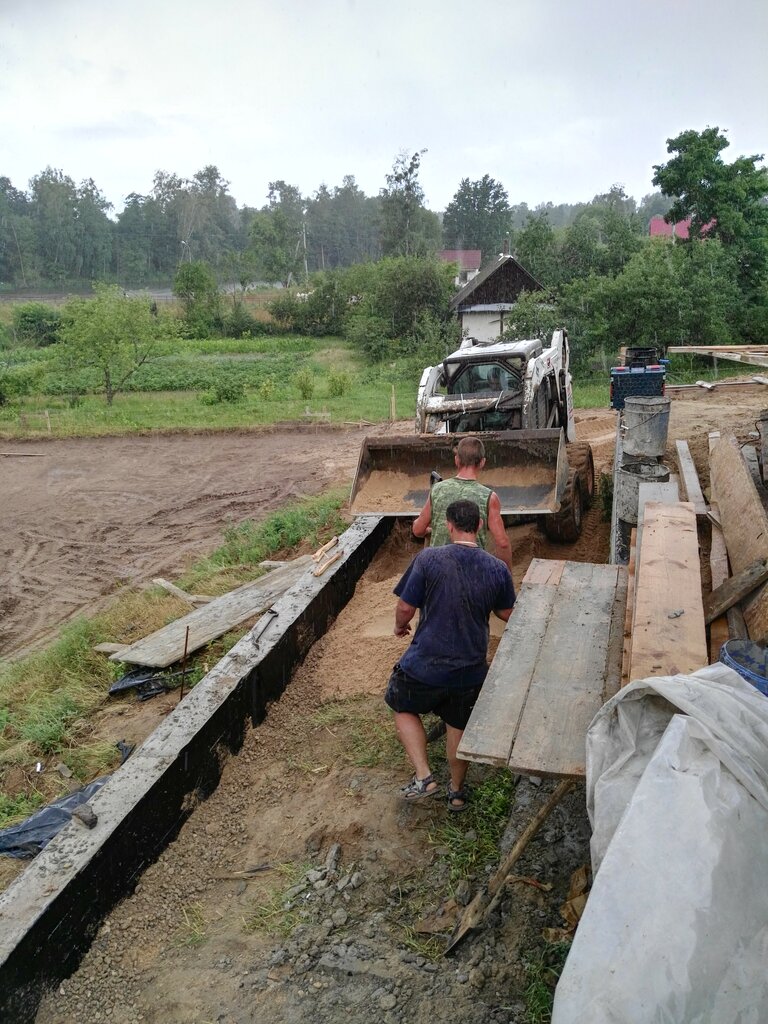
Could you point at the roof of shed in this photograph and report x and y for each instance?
(513, 278)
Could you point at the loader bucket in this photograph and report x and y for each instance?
(528, 469)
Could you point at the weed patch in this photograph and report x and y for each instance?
(273, 911)
(473, 841)
(369, 736)
(249, 543)
(543, 968)
(191, 931)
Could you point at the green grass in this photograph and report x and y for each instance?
(472, 838)
(249, 543)
(543, 968)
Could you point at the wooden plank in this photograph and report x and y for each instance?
(171, 588)
(629, 613)
(735, 589)
(566, 690)
(668, 493)
(492, 727)
(718, 571)
(690, 479)
(668, 633)
(745, 525)
(545, 571)
(109, 648)
(166, 646)
(707, 349)
(614, 657)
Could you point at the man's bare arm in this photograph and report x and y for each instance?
(421, 524)
(497, 531)
(502, 613)
(404, 612)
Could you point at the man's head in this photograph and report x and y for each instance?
(470, 451)
(463, 516)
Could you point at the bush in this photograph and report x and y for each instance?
(318, 311)
(239, 323)
(369, 334)
(225, 390)
(34, 323)
(339, 383)
(268, 389)
(305, 382)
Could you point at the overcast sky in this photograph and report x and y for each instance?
(556, 99)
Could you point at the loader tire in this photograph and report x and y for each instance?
(564, 527)
(580, 459)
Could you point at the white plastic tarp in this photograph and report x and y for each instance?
(675, 930)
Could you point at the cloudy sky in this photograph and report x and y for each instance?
(557, 99)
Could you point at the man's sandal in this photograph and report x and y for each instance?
(417, 789)
(457, 794)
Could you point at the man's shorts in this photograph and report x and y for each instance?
(404, 693)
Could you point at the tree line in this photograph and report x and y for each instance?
(60, 234)
(365, 266)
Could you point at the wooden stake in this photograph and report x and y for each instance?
(326, 565)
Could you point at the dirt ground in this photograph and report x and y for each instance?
(82, 517)
(315, 787)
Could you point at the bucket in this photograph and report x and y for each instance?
(646, 421)
(642, 471)
(749, 659)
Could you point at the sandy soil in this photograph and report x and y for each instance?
(79, 518)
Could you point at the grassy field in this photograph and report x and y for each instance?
(223, 384)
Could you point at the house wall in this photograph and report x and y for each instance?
(485, 325)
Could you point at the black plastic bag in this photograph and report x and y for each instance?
(29, 837)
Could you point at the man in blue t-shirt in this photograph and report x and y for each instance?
(455, 588)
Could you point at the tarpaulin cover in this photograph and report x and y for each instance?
(29, 837)
(676, 926)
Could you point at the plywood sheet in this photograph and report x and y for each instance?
(668, 634)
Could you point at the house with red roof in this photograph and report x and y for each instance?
(467, 260)
(659, 228)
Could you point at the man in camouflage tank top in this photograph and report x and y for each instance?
(470, 460)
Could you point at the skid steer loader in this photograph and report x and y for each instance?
(517, 397)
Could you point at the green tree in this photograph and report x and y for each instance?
(478, 217)
(112, 334)
(726, 201)
(536, 249)
(407, 228)
(17, 236)
(535, 315)
(93, 233)
(277, 234)
(195, 285)
(392, 298)
(54, 210)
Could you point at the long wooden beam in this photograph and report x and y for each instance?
(668, 634)
(745, 525)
